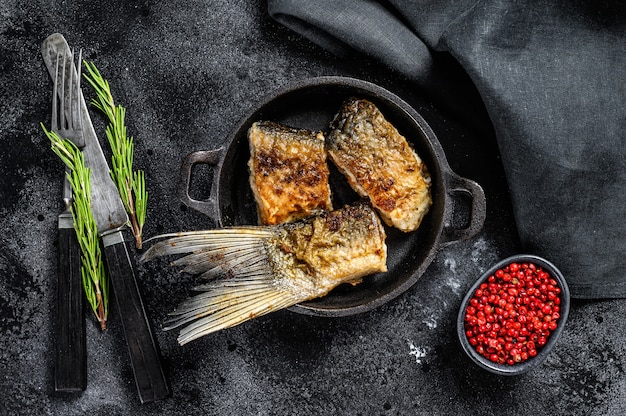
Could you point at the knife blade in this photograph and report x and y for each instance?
(70, 366)
(111, 219)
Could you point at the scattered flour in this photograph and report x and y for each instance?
(450, 263)
(417, 352)
(430, 322)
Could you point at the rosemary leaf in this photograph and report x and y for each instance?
(92, 266)
(141, 201)
(122, 150)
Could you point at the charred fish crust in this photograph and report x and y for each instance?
(334, 223)
(337, 219)
(288, 172)
(380, 164)
(270, 161)
(330, 237)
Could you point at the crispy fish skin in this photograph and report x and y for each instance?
(288, 172)
(332, 248)
(258, 270)
(379, 164)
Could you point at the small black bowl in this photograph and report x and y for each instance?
(532, 362)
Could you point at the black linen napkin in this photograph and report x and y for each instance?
(552, 76)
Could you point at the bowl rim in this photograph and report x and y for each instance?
(520, 368)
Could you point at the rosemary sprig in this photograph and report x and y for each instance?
(95, 283)
(130, 184)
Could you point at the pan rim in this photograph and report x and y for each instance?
(442, 168)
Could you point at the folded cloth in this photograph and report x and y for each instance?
(552, 76)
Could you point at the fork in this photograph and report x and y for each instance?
(71, 350)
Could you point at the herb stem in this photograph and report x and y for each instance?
(130, 184)
(93, 274)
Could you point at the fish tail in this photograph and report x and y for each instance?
(226, 303)
(268, 268)
(215, 242)
(249, 288)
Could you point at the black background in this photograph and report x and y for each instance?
(187, 73)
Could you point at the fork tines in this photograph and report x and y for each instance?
(67, 116)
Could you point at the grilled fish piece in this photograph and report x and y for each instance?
(379, 164)
(288, 172)
(261, 269)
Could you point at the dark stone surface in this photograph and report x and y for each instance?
(187, 72)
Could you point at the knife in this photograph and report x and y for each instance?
(70, 370)
(111, 219)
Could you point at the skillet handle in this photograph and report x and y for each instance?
(208, 207)
(458, 185)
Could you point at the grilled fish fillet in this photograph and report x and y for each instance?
(288, 172)
(379, 164)
(260, 269)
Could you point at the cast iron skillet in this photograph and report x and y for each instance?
(311, 104)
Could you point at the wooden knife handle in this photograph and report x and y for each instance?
(144, 354)
(70, 372)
